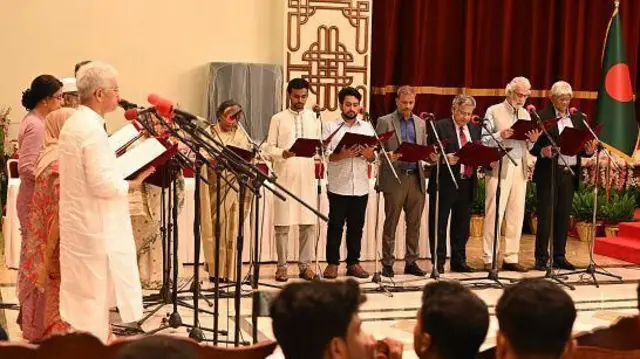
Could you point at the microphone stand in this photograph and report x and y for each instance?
(593, 268)
(549, 274)
(434, 253)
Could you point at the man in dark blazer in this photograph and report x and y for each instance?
(565, 183)
(409, 195)
(456, 131)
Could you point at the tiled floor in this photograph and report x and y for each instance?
(392, 314)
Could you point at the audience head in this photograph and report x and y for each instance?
(228, 114)
(98, 87)
(70, 97)
(405, 101)
(158, 347)
(518, 91)
(561, 95)
(78, 66)
(44, 94)
(298, 91)
(452, 322)
(314, 320)
(462, 109)
(349, 102)
(535, 318)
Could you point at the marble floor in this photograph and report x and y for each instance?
(389, 311)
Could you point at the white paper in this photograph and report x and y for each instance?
(122, 136)
(141, 155)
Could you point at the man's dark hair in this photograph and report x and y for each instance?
(297, 84)
(158, 347)
(348, 91)
(306, 316)
(456, 319)
(79, 65)
(536, 316)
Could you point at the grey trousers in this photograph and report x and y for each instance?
(306, 245)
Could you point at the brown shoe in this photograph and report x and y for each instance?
(281, 274)
(330, 272)
(307, 274)
(487, 267)
(514, 267)
(356, 270)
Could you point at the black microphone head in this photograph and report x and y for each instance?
(126, 105)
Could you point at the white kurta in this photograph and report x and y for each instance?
(297, 174)
(97, 249)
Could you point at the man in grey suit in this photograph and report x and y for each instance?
(409, 195)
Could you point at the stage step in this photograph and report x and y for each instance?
(623, 248)
(630, 230)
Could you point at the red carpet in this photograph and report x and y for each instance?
(626, 246)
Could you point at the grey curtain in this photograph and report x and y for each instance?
(257, 87)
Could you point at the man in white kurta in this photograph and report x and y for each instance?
(97, 249)
(499, 119)
(297, 174)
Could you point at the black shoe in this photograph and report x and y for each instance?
(414, 269)
(387, 271)
(462, 268)
(540, 266)
(563, 263)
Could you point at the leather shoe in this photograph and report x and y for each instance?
(563, 263)
(387, 271)
(414, 269)
(514, 267)
(462, 268)
(540, 266)
(356, 270)
(487, 267)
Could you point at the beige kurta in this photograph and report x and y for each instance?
(297, 174)
(229, 207)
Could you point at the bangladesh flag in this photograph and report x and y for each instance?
(615, 97)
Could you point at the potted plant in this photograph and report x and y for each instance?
(530, 210)
(582, 211)
(477, 211)
(620, 208)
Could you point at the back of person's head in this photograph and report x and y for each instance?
(158, 347)
(536, 318)
(93, 76)
(42, 87)
(79, 65)
(314, 319)
(452, 322)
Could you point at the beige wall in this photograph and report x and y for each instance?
(158, 46)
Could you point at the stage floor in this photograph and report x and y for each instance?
(394, 316)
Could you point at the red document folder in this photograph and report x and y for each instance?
(476, 154)
(305, 147)
(152, 152)
(572, 141)
(353, 139)
(412, 152)
(241, 152)
(520, 129)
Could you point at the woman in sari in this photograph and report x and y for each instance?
(39, 275)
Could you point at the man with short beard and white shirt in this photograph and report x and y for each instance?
(499, 119)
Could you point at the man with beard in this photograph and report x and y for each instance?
(347, 185)
(499, 119)
(297, 174)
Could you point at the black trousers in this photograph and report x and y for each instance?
(459, 205)
(562, 200)
(349, 209)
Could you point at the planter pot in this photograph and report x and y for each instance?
(611, 230)
(476, 226)
(585, 231)
(533, 224)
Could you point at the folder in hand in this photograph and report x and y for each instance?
(573, 140)
(412, 152)
(305, 147)
(152, 152)
(520, 129)
(476, 154)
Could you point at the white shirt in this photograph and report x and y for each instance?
(350, 176)
(97, 250)
(467, 134)
(562, 124)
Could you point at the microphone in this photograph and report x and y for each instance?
(166, 109)
(126, 105)
(477, 120)
(575, 111)
(427, 116)
(316, 108)
(365, 114)
(132, 114)
(532, 110)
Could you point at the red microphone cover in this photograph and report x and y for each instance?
(316, 108)
(131, 114)
(531, 108)
(475, 119)
(573, 110)
(426, 115)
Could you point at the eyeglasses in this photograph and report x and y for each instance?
(57, 97)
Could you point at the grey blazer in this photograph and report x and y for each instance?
(391, 122)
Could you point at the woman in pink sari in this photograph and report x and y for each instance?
(39, 275)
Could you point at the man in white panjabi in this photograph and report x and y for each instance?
(499, 119)
(97, 249)
(297, 174)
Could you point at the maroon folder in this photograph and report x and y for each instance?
(305, 147)
(476, 154)
(351, 139)
(158, 177)
(384, 137)
(572, 140)
(412, 152)
(520, 129)
(243, 153)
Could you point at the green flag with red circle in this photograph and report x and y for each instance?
(616, 109)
